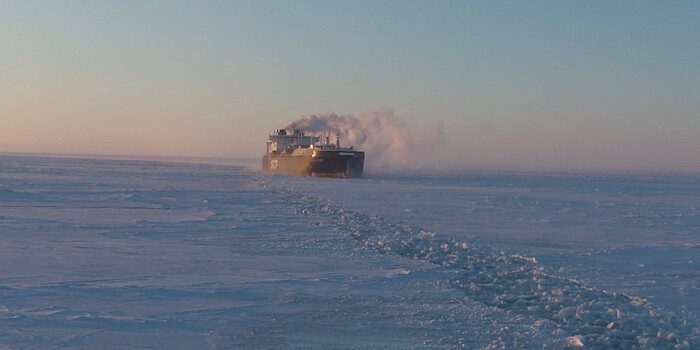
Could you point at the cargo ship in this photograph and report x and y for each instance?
(297, 153)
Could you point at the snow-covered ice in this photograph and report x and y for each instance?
(114, 253)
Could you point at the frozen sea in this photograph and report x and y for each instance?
(125, 253)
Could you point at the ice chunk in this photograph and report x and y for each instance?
(565, 313)
(575, 341)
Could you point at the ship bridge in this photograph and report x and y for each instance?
(280, 140)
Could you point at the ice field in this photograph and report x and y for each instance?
(110, 253)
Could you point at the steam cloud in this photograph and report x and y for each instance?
(381, 134)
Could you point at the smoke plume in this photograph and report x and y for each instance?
(381, 134)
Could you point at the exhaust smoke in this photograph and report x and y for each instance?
(381, 134)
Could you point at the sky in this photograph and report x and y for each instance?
(520, 85)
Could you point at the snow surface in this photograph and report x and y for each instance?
(118, 253)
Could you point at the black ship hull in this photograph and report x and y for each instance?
(323, 163)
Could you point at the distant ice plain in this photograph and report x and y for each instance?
(119, 253)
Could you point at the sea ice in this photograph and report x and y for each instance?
(130, 253)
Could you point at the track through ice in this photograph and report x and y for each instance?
(579, 315)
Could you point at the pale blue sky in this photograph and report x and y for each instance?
(566, 85)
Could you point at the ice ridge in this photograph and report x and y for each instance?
(580, 315)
